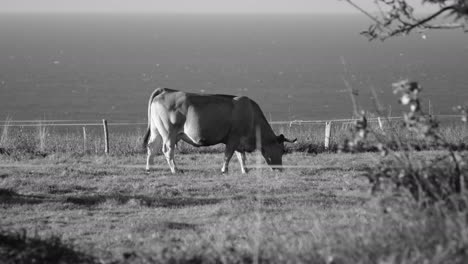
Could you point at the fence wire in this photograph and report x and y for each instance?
(33, 123)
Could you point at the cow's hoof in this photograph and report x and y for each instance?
(147, 171)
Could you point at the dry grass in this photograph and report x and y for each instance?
(108, 208)
(58, 196)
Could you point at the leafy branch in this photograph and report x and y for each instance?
(397, 17)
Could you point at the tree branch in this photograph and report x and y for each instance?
(427, 19)
(399, 19)
(446, 26)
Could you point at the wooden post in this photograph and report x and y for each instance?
(430, 108)
(84, 140)
(106, 137)
(327, 134)
(380, 123)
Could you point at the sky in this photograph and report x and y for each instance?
(182, 6)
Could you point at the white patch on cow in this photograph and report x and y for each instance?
(193, 140)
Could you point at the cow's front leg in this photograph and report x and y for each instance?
(241, 158)
(227, 157)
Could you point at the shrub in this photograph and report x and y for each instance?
(427, 180)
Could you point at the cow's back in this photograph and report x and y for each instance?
(210, 119)
(205, 119)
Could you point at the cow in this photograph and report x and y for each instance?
(210, 119)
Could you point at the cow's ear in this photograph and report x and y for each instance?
(280, 138)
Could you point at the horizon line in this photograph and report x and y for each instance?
(210, 13)
(171, 12)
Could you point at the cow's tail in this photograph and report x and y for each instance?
(148, 130)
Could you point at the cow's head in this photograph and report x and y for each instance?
(273, 151)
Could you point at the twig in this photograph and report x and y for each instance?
(403, 19)
(349, 87)
(422, 22)
(376, 20)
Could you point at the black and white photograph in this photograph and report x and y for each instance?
(219, 131)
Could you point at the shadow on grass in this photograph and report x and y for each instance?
(54, 189)
(148, 201)
(359, 168)
(11, 197)
(17, 247)
(8, 196)
(164, 226)
(333, 199)
(321, 199)
(179, 226)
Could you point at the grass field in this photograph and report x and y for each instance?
(63, 201)
(92, 208)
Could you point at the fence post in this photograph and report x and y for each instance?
(380, 123)
(327, 134)
(84, 139)
(106, 137)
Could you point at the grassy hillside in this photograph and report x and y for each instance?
(107, 209)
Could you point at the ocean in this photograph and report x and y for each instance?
(90, 67)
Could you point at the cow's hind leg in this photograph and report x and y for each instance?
(152, 150)
(241, 158)
(168, 150)
(227, 157)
